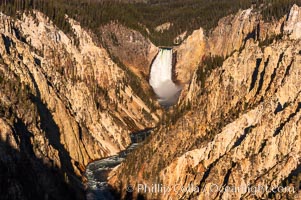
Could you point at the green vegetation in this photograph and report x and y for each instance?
(269, 40)
(19, 107)
(19, 96)
(134, 82)
(184, 15)
(208, 64)
(275, 9)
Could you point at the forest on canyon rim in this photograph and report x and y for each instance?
(145, 17)
(68, 96)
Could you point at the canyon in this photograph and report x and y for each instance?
(64, 103)
(243, 127)
(223, 108)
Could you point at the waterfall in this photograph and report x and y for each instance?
(161, 78)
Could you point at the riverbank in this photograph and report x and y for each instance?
(97, 172)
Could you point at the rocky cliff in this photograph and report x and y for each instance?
(237, 133)
(64, 102)
(194, 48)
(229, 36)
(130, 47)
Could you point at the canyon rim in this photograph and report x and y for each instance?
(147, 99)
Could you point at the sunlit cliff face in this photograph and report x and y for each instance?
(161, 78)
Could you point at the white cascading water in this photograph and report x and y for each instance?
(161, 78)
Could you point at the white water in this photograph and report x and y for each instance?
(161, 78)
(97, 171)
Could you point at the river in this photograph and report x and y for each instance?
(168, 93)
(98, 171)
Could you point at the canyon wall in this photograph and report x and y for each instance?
(229, 36)
(242, 126)
(64, 102)
(130, 47)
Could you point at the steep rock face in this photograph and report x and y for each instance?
(229, 36)
(243, 129)
(194, 48)
(130, 47)
(28, 174)
(81, 106)
(293, 25)
(232, 31)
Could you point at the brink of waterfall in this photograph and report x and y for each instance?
(161, 78)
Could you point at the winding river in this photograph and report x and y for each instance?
(97, 171)
(168, 93)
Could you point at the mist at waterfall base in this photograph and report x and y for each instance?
(161, 79)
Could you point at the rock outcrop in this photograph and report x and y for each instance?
(240, 136)
(230, 35)
(293, 24)
(130, 47)
(194, 48)
(64, 102)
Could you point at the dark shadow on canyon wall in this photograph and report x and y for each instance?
(24, 176)
(128, 196)
(51, 129)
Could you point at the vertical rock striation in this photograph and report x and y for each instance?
(243, 128)
(64, 103)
